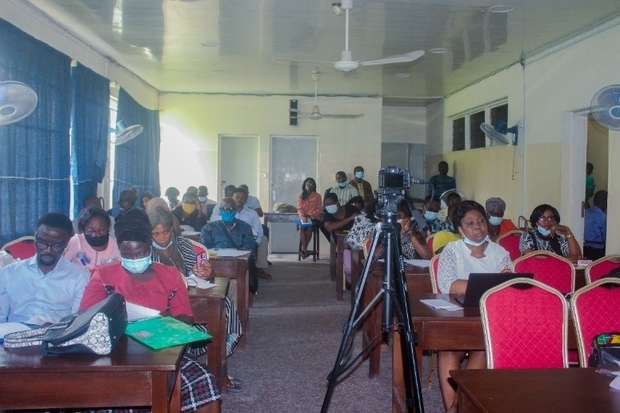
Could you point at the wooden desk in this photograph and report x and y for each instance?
(132, 375)
(418, 280)
(280, 217)
(209, 308)
(536, 390)
(237, 268)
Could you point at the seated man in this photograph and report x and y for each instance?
(231, 232)
(343, 189)
(206, 204)
(45, 288)
(252, 202)
(430, 211)
(127, 200)
(229, 192)
(363, 187)
(595, 227)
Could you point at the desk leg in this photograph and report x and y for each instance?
(332, 258)
(160, 390)
(339, 273)
(216, 354)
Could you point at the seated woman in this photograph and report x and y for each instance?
(549, 235)
(189, 212)
(498, 225)
(179, 252)
(473, 253)
(161, 288)
(93, 245)
(412, 242)
(309, 209)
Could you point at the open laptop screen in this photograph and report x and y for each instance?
(480, 282)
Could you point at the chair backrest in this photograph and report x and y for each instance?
(601, 267)
(429, 242)
(525, 325)
(198, 247)
(433, 269)
(548, 268)
(596, 310)
(21, 248)
(510, 242)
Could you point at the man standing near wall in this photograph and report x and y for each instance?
(363, 187)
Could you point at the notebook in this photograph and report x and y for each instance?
(162, 332)
(480, 282)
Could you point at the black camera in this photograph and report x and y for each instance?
(394, 177)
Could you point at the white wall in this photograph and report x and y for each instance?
(404, 124)
(191, 124)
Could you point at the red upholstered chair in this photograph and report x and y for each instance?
(596, 310)
(510, 242)
(601, 267)
(429, 242)
(525, 325)
(198, 247)
(548, 268)
(21, 248)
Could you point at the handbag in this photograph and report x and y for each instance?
(605, 350)
(95, 330)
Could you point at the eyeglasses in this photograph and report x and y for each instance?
(96, 232)
(550, 218)
(42, 245)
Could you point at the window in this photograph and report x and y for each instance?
(466, 132)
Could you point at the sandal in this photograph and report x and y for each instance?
(232, 387)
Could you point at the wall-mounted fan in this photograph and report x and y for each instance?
(126, 133)
(316, 112)
(498, 132)
(17, 102)
(605, 107)
(346, 62)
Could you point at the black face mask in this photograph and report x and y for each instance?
(98, 241)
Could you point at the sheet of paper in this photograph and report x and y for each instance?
(227, 252)
(137, 312)
(419, 263)
(6, 328)
(193, 281)
(439, 304)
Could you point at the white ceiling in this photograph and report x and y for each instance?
(262, 47)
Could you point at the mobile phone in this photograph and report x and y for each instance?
(202, 257)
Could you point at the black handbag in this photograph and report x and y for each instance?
(95, 330)
(605, 351)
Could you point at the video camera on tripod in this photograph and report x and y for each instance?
(394, 182)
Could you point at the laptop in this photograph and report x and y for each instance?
(480, 282)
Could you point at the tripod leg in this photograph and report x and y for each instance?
(408, 338)
(347, 337)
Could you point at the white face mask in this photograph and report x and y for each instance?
(474, 243)
(495, 220)
(331, 209)
(544, 232)
(202, 199)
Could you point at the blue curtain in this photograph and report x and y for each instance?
(136, 162)
(34, 152)
(90, 116)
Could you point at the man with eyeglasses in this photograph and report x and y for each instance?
(46, 287)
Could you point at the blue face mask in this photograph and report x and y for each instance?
(159, 247)
(359, 174)
(544, 232)
(137, 266)
(331, 209)
(227, 217)
(495, 220)
(430, 215)
(343, 184)
(474, 243)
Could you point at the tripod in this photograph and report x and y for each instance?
(394, 294)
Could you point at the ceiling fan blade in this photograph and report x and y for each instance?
(399, 58)
(342, 116)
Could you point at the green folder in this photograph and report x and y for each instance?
(162, 332)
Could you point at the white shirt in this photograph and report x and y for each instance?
(456, 263)
(25, 292)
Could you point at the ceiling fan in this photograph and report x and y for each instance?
(346, 62)
(316, 112)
